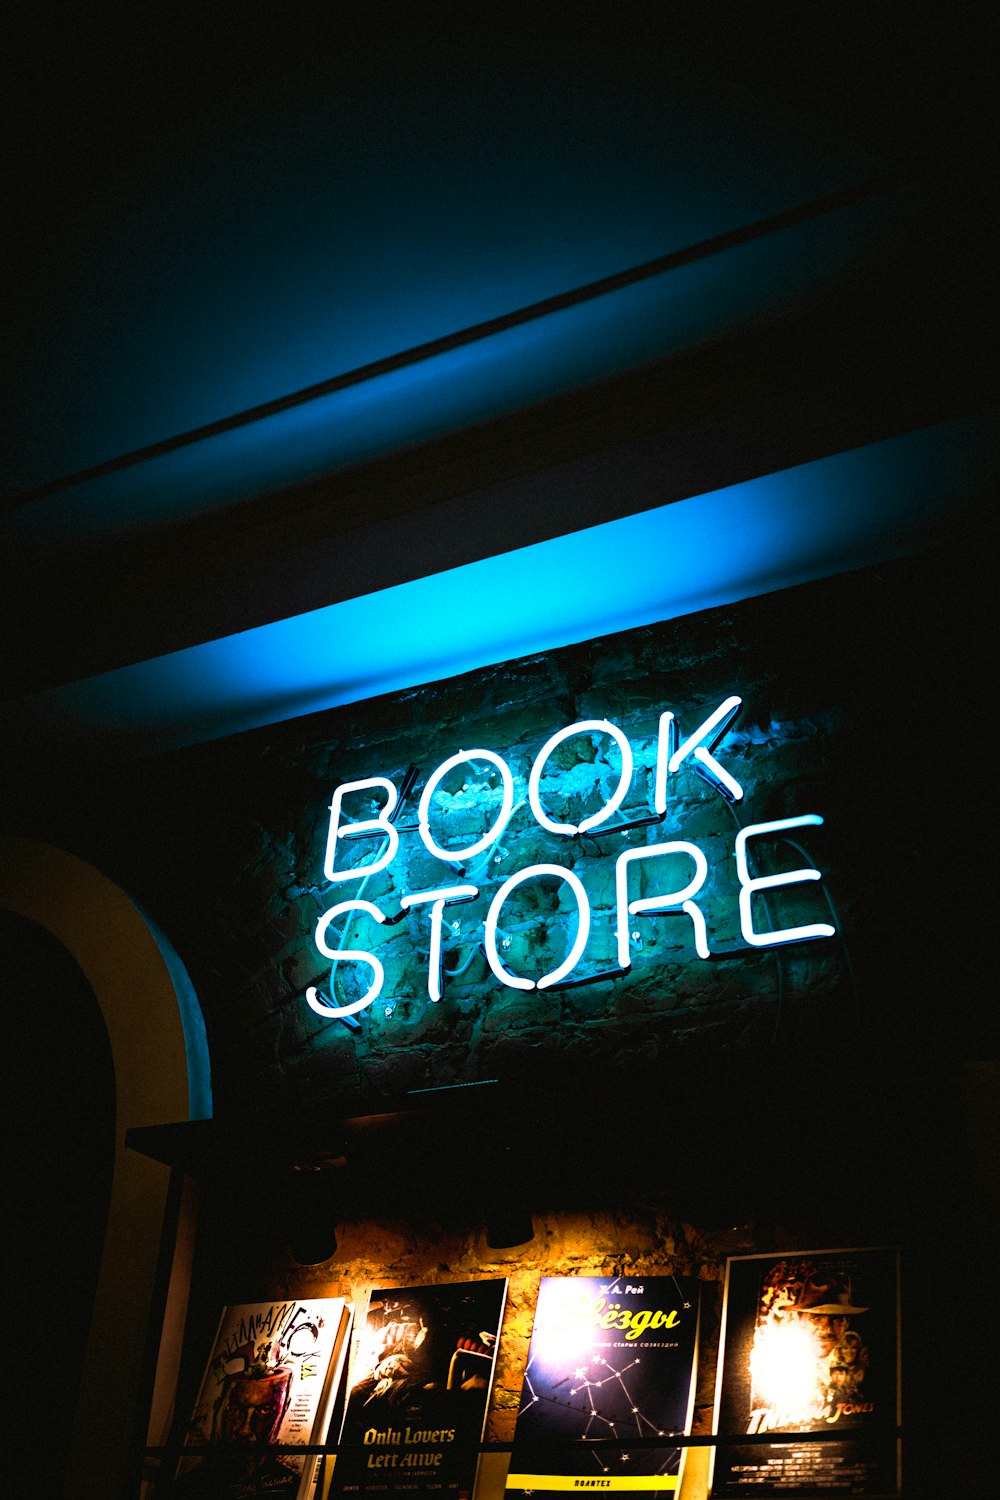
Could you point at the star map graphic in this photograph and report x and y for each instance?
(611, 1361)
(607, 1408)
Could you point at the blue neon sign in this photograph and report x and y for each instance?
(684, 866)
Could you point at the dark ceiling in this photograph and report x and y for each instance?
(215, 205)
(210, 208)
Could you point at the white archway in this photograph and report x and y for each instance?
(160, 1063)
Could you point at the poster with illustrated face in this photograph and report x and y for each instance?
(609, 1385)
(420, 1385)
(809, 1344)
(271, 1382)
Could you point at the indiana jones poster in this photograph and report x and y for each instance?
(809, 1344)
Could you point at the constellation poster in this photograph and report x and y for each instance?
(610, 1371)
(809, 1344)
(419, 1387)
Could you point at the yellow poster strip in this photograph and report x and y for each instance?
(575, 1482)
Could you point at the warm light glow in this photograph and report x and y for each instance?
(584, 726)
(566, 1333)
(371, 1351)
(783, 1366)
(458, 856)
(366, 826)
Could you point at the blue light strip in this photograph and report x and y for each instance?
(870, 504)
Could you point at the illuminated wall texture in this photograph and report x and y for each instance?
(837, 678)
(384, 1253)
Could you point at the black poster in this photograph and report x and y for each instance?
(810, 1344)
(420, 1385)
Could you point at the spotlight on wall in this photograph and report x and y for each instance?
(311, 1214)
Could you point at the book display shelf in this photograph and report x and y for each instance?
(511, 1169)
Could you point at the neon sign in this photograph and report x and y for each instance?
(684, 896)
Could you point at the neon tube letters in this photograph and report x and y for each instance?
(678, 866)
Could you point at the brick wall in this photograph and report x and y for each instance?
(225, 843)
(803, 1101)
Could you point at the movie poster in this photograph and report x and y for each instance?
(810, 1343)
(272, 1378)
(420, 1385)
(610, 1370)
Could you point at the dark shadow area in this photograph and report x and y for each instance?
(61, 1105)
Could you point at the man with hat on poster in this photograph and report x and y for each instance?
(795, 1360)
(824, 1304)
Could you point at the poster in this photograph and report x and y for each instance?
(610, 1370)
(810, 1343)
(272, 1378)
(419, 1388)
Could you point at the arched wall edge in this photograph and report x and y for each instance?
(158, 1048)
